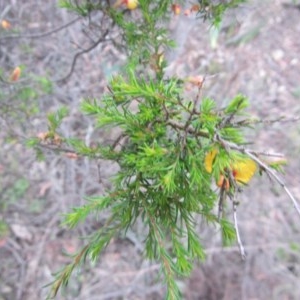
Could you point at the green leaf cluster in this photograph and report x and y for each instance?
(161, 150)
(214, 10)
(162, 178)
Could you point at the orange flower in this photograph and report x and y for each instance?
(47, 137)
(72, 155)
(42, 136)
(187, 12)
(196, 80)
(195, 8)
(5, 24)
(223, 183)
(242, 169)
(15, 75)
(176, 9)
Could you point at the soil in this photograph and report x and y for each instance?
(255, 53)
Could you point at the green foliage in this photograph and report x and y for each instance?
(228, 232)
(214, 10)
(162, 179)
(83, 9)
(278, 165)
(55, 119)
(166, 177)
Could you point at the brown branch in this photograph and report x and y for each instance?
(281, 119)
(227, 120)
(118, 140)
(243, 149)
(196, 103)
(190, 130)
(39, 35)
(276, 177)
(78, 54)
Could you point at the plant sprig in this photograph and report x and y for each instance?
(177, 156)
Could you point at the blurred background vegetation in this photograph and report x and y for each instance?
(256, 52)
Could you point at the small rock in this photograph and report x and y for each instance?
(6, 289)
(262, 73)
(294, 62)
(277, 54)
(21, 232)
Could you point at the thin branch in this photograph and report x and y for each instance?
(276, 177)
(53, 147)
(190, 130)
(281, 119)
(265, 167)
(226, 120)
(39, 35)
(232, 196)
(183, 106)
(222, 200)
(196, 104)
(242, 249)
(265, 153)
(118, 140)
(254, 247)
(243, 149)
(78, 54)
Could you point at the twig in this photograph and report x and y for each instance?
(183, 106)
(53, 147)
(265, 153)
(190, 129)
(242, 249)
(228, 119)
(276, 177)
(266, 168)
(194, 110)
(222, 199)
(78, 54)
(118, 140)
(243, 149)
(39, 35)
(232, 196)
(281, 119)
(254, 247)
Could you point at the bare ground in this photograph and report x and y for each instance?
(256, 53)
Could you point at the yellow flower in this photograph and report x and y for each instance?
(242, 169)
(131, 4)
(209, 160)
